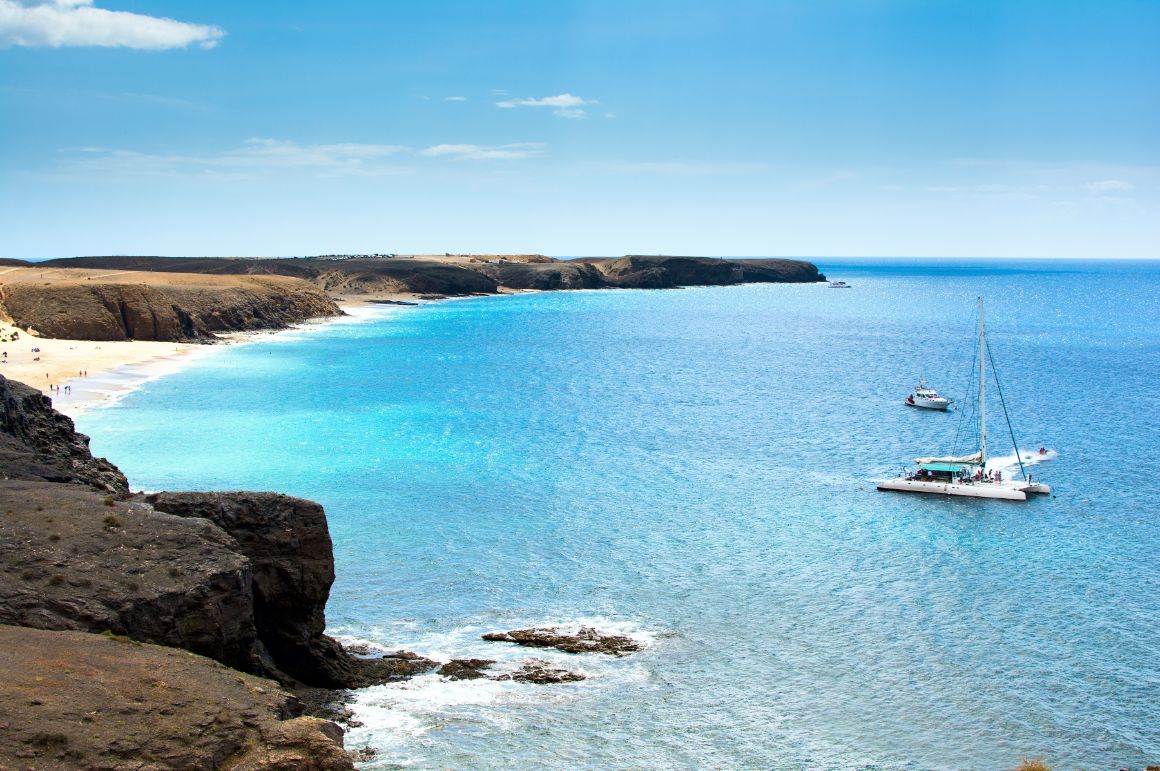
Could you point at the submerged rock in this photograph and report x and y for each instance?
(542, 673)
(466, 669)
(586, 640)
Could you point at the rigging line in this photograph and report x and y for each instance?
(1003, 402)
(965, 411)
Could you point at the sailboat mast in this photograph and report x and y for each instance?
(982, 390)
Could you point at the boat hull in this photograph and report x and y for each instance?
(927, 404)
(1039, 488)
(977, 490)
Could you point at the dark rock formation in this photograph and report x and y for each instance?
(84, 311)
(73, 558)
(542, 673)
(661, 272)
(544, 276)
(37, 442)
(586, 640)
(287, 543)
(385, 274)
(242, 578)
(357, 276)
(465, 669)
(74, 700)
(534, 671)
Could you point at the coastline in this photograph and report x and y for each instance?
(114, 369)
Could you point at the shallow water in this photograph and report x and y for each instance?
(696, 468)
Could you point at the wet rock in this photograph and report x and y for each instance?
(586, 640)
(364, 754)
(466, 669)
(542, 673)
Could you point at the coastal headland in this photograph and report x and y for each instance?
(69, 318)
(181, 630)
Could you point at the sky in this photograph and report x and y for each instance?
(814, 128)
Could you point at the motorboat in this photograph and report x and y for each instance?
(927, 398)
(838, 285)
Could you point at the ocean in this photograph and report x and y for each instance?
(695, 468)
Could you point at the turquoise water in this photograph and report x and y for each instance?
(695, 468)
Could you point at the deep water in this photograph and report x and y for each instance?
(696, 467)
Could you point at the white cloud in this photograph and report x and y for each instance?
(255, 155)
(563, 105)
(455, 99)
(1106, 186)
(57, 23)
(677, 168)
(512, 151)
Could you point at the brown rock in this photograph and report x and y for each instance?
(74, 700)
(542, 673)
(37, 442)
(123, 311)
(466, 669)
(586, 640)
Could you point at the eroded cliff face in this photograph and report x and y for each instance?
(73, 700)
(240, 578)
(662, 272)
(38, 443)
(384, 274)
(96, 311)
(545, 276)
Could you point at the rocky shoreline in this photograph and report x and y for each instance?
(187, 629)
(196, 299)
(180, 629)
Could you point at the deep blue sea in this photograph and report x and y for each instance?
(696, 468)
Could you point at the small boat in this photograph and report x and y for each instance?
(838, 285)
(967, 475)
(927, 398)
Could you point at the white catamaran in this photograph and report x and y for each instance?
(967, 475)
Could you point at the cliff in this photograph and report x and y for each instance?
(239, 578)
(662, 272)
(73, 700)
(352, 275)
(472, 275)
(38, 443)
(180, 310)
(544, 276)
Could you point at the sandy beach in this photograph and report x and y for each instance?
(79, 374)
(47, 363)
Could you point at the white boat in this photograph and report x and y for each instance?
(967, 476)
(927, 398)
(838, 285)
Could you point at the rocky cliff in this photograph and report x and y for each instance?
(355, 276)
(72, 700)
(240, 578)
(124, 311)
(38, 443)
(661, 272)
(472, 276)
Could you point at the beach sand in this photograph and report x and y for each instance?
(41, 362)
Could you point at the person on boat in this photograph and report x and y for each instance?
(1042, 450)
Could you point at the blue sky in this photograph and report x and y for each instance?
(1022, 129)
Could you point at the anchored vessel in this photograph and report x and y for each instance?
(967, 475)
(927, 398)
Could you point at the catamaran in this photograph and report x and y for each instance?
(967, 475)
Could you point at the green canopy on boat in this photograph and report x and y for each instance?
(949, 467)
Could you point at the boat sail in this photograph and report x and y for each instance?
(967, 475)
